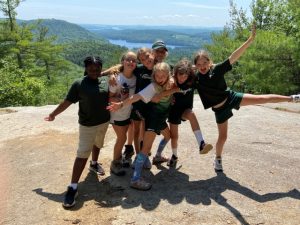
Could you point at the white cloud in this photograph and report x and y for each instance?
(193, 5)
(171, 16)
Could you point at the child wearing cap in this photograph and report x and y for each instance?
(91, 92)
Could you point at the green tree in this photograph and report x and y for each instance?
(17, 87)
(8, 8)
(271, 64)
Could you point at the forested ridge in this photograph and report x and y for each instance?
(40, 59)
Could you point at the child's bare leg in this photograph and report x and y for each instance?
(130, 134)
(190, 115)
(121, 139)
(158, 158)
(136, 136)
(174, 138)
(223, 129)
(250, 99)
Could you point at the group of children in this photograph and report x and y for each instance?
(146, 96)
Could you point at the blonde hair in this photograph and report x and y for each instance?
(164, 67)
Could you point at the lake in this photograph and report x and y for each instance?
(132, 45)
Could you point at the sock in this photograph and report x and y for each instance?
(73, 185)
(161, 147)
(94, 162)
(198, 136)
(140, 160)
(174, 151)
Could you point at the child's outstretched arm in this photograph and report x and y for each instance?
(112, 70)
(114, 106)
(238, 52)
(59, 109)
(159, 96)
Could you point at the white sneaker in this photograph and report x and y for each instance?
(218, 165)
(295, 98)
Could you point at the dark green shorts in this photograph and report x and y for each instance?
(156, 122)
(175, 115)
(122, 123)
(140, 111)
(224, 112)
(136, 115)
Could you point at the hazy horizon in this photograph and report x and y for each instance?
(187, 13)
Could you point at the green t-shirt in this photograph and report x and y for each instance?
(92, 96)
(212, 86)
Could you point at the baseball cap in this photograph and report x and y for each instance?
(159, 44)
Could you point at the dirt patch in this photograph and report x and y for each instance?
(5, 111)
(260, 184)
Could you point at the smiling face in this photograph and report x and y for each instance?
(93, 70)
(203, 64)
(129, 61)
(181, 77)
(160, 54)
(147, 59)
(161, 77)
(183, 72)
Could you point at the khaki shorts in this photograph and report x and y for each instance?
(89, 136)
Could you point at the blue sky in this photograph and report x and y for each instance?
(204, 13)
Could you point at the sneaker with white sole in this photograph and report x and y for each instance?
(173, 161)
(70, 196)
(218, 165)
(295, 98)
(205, 148)
(97, 168)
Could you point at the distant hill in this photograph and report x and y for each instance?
(79, 42)
(180, 29)
(67, 32)
(173, 35)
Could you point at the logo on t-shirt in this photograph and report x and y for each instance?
(146, 76)
(185, 91)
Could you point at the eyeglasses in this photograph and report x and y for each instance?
(131, 60)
